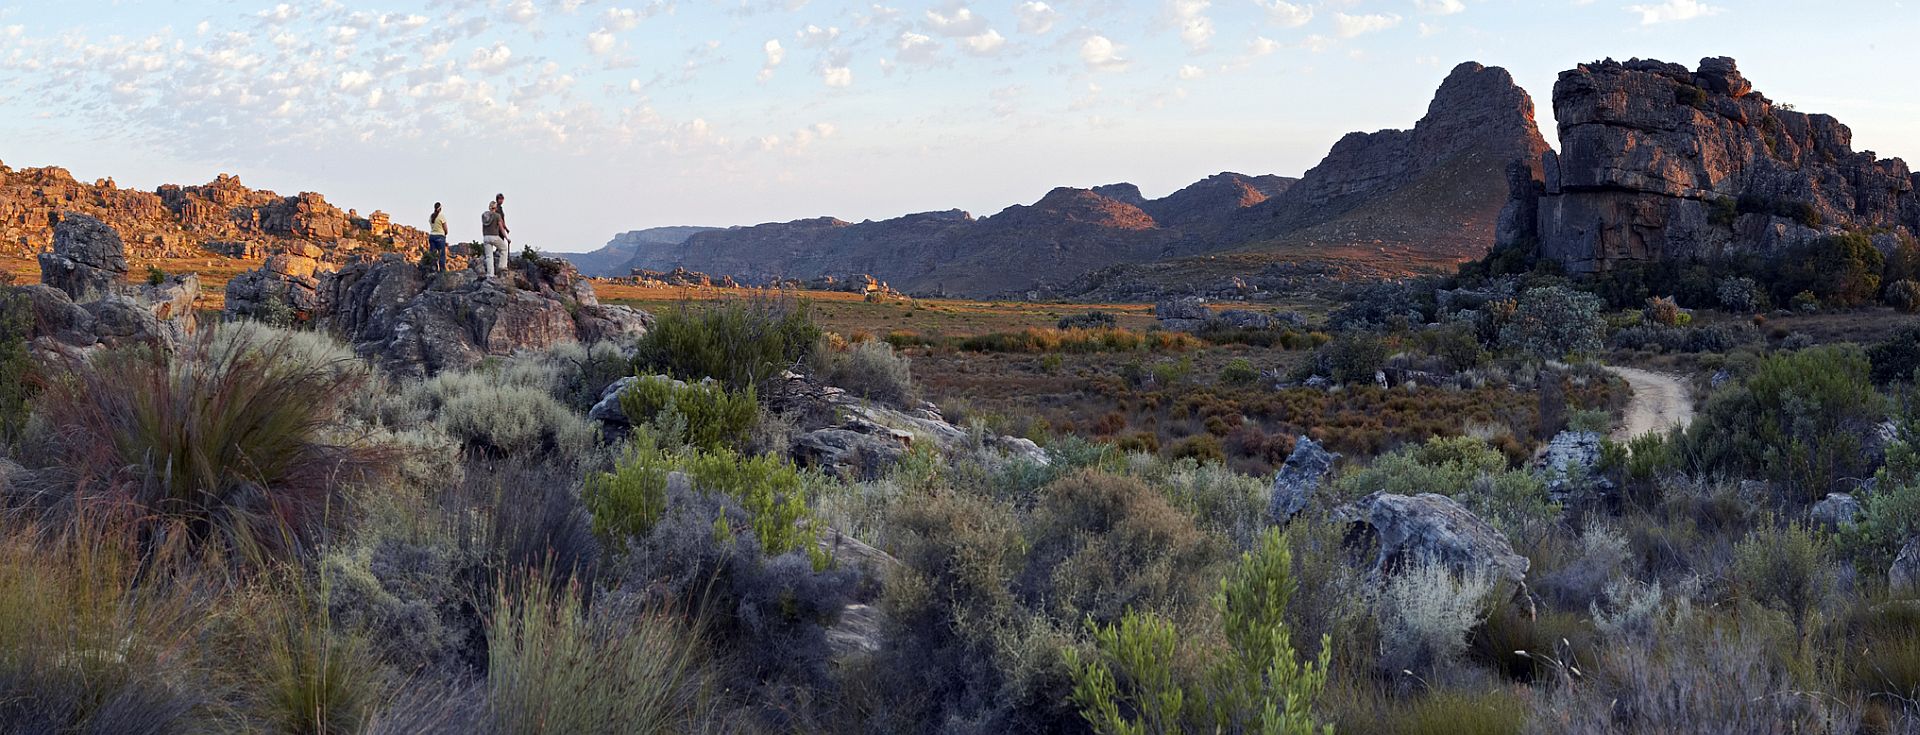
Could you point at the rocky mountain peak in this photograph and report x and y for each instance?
(1084, 206)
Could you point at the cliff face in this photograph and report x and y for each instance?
(223, 216)
(1659, 163)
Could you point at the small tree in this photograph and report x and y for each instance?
(1554, 321)
(1258, 684)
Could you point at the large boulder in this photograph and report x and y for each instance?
(1429, 529)
(1837, 511)
(88, 260)
(1305, 468)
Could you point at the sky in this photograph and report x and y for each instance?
(600, 116)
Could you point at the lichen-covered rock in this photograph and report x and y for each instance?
(1429, 528)
(1571, 469)
(1836, 511)
(84, 304)
(1298, 478)
(1189, 314)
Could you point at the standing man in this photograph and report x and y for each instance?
(500, 205)
(437, 240)
(493, 232)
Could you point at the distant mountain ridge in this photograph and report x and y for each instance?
(615, 258)
(1428, 195)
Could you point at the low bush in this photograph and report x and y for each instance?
(870, 370)
(1740, 294)
(1034, 340)
(1239, 372)
(739, 342)
(704, 415)
(1463, 468)
(508, 420)
(1788, 569)
(1091, 320)
(1425, 612)
(1553, 322)
(1896, 357)
(1715, 338)
(629, 500)
(1904, 295)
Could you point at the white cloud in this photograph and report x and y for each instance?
(1101, 54)
(837, 76)
(490, 59)
(1262, 46)
(916, 48)
(354, 81)
(1036, 17)
(1673, 10)
(1286, 14)
(1196, 29)
(775, 55)
(1349, 26)
(1316, 43)
(814, 36)
(1189, 71)
(600, 42)
(984, 44)
(522, 12)
(960, 22)
(624, 19)
(1439, 7)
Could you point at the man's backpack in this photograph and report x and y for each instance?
(488, 220)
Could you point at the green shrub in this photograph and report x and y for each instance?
(708, 416)
(1553, 322)
(1095, 319)
(1806, 302)
(512, 420)
(1132, 684)
(1201, 448)
(627, 501)
(1798, 420)
(1897, 357)
(1239, 372)
(741, 343)
(1740, 294)
(1463, 468)
(1843, 270)
(1355, 357)
(1722, 211)
(1904, 295)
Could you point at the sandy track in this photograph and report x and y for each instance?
(1660, 402)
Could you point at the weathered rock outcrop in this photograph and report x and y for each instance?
(179, 221)
(411, 323)
(1658, 163)
(854, 438)
(84, 302)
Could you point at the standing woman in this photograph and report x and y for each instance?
(437, 240)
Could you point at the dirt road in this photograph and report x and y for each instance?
(1660, 402)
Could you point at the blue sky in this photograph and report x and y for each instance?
(598, 116)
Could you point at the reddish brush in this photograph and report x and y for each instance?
(233, 439)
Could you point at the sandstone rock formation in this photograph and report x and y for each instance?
(1657, 163)
(84, 303)
(288, 283)
(179, 221)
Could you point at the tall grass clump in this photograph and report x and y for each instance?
(238, 439)
(556, 667)
(84, 647)
(741, 343)
(18, 379)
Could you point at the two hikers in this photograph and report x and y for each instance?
(493, 231)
